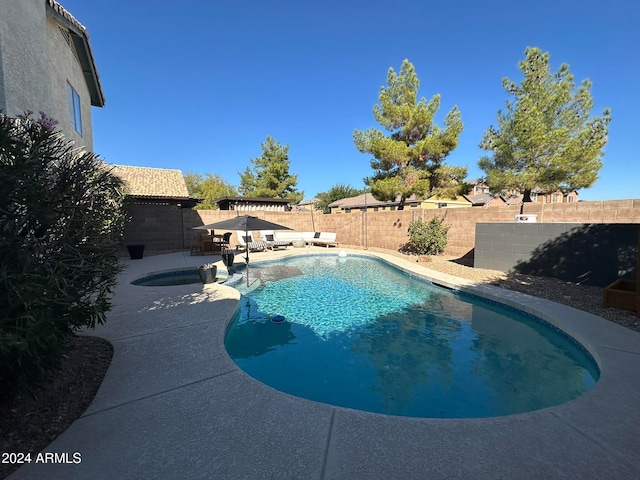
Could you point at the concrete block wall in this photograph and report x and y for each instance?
(157, 226)
(588, 253)
(501, 246)
(300, 221)
(168, 227)
(388, 229)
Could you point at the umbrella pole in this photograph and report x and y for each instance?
(246, 234)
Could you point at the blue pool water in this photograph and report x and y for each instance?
(362, 334)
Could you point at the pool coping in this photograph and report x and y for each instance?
(173, 404)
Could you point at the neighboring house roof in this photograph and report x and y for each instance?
(362, 200)
(80, 38)
(479, 199)
(477, 181)
(368, 200)
(311, 201)
(146, 182)
(253, 200)
(483, 199)
(514, 199)
(458, 199)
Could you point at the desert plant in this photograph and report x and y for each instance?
(61, 221)
(207, 266)
(428, 238)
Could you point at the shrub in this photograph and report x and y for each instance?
(61, 221)
(428, 238)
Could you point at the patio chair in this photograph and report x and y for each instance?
(268, 237)
(206, 243)
(196, 247)
(226, 240)
(245, 241)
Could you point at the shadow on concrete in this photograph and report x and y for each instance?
(595, 254)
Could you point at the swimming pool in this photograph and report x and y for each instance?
(360, 333)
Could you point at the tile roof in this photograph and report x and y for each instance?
(368, 200)
(458, 199)
(253, 199)
(152, 182)
(364, 199)
(480, 198)
(65, 13)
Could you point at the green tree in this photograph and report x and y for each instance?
(208, 188)
(410, 160)
(61, 222)
(270, 176)
(545, 138)
(337, 192)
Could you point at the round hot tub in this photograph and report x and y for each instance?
(168, 278)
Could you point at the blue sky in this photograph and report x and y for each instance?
(197, 85)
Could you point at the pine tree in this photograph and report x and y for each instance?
(270, 176)
(410, 160)
(545, 138)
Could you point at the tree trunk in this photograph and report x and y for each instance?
(526, 197)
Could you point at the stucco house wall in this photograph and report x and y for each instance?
(24, 57)
(65, 68)
(39, 57)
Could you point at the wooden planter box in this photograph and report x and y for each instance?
(623, 294)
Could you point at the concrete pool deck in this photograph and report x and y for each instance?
(174, 405)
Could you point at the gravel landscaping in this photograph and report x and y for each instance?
(582, 297)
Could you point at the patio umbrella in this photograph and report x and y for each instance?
(246, 223)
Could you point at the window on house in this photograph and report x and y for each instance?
(441, 205)
(555, 198)
(534, 197)
(73, 100)
(485, 190)
(570, 199)
(375, 209)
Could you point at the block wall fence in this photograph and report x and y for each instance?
(167, 227)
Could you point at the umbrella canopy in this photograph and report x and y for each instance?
(246, 223)
(243, 222)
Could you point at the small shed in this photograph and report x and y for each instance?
(156, 198)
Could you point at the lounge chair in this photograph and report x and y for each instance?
(246, 241)
(268, 237)
(324, 239)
